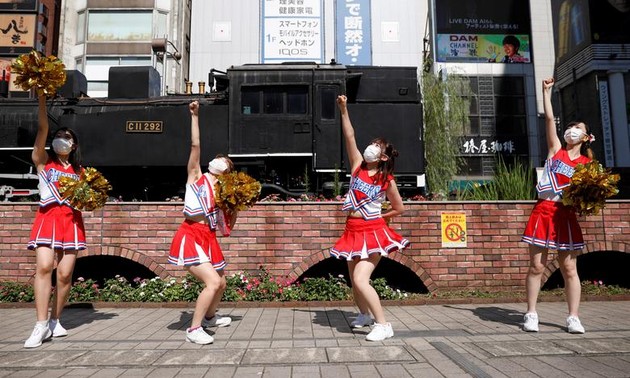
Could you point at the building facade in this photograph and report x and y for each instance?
(593, 71)
(101, 34)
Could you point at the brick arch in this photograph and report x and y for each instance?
(126, 253)
(400, 258)
(613, 246)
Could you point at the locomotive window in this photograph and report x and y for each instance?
(328, 103)
(250, 100)
(273, 100)
(297, 100)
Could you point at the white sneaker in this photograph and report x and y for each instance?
(380, 332)
(217, 321)
(530, 322)
(361, 321)
(574, 325)
(56, 328)
(199, 336)
(40, 333)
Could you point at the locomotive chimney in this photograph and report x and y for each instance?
(202, 87)
(189, 87)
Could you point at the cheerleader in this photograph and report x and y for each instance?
(57, 230)
(367, 237)
(551, 224)
(195, 244)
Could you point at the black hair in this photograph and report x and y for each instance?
(512, 40)
(75, 155)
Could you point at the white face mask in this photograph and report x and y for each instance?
(372, 153)
(217, 166)
(573, 135)
(62, 146)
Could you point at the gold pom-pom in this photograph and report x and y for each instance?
(590, 185)
(87, 193)
(236, 191)
(45, 74)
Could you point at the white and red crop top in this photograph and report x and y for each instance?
(49, 182)
(366, 194)
(199, 200)
(557, 175)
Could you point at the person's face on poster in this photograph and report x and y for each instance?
(509, 50)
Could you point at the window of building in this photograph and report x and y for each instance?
(105, 26)
(497, 123)
(81, 27)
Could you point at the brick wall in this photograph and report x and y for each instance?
(288, 238)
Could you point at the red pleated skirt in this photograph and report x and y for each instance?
(195, 243)
(361, 238)
(58, 227)
(553, 225)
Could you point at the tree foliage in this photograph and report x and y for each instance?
(446, 111)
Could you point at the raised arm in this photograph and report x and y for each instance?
(553, 142)
(194, 169)
(354, 155)
(39, 155)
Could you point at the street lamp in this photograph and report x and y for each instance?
(160, 47)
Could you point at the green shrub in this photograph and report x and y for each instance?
(513, 182)
(259, 285)
(324, 289)
(16, 292)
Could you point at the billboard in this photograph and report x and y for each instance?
(292, 31)
(17, 33)
(571, 27)
(478, 31)
(610, 21)
(354, 36)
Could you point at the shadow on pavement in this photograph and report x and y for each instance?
(338, 319)
(501, 315)
(77, 314)
(185, 317)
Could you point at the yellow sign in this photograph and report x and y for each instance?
(454, 230)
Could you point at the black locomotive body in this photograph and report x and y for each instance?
(279, 123)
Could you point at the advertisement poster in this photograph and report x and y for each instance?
(476, 31)
(17, 33)
(292, 31)
(354, 36)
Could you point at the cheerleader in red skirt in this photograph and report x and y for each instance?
(553, 225)
(195, 244)
(367, 237)
(58, 228)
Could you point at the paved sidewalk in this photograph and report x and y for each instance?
(430, 341)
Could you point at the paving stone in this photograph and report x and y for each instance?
(369, 354)
(592, 346)
(522, 348)
(118, 358)
(38, 358)
(284, 356)
(202, 357)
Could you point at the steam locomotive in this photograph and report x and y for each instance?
(279, 123)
